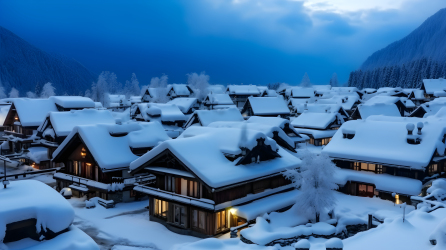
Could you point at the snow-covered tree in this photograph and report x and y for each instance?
(199, 83)
(14, 93)
(2, 90)
(305, 81)
(316, 184)
(143, 89)
(107, 84)
(334, 80)
(160, 84)
(47, 90)
(31, 94)
(131, 87)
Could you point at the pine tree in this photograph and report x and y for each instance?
(334, 80)
(306, 83)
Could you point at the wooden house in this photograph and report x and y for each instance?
(240, 93)
(429, 108)
(206, 117)
(67, 103)
(363, 110)
(384, 155)
(205, 172)
(348, 102)
(266, 106)
(187, 105)
(433, 87)
(96, 158)
(300, 92)
(405, 106)
(218, 101)
(58, 125)
(318, 126)
(179, 90)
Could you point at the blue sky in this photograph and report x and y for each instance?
(233, 41)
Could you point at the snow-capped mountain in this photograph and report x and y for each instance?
(406, 62)
(24, 66)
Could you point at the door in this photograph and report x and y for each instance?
(179, 215)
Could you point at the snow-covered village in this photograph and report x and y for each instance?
(223, 125)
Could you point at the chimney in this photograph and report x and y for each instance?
(410, 127)
(420, 126)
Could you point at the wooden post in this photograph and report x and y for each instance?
(369, 224)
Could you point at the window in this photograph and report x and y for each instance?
(433, 168)
(193, 189)
(220, 220)
(161, 208)
(76, 168)
(362, 166)
(179, 215)
(170, 183)
(202, 220)
(366, 190)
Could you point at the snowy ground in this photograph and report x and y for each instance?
(125, 227)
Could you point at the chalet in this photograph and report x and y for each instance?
(272, 132)
(240, 93)
(205, 172)
(266, 106)
(319, 126)
(22, 120)
(363, 111)
(433, 87)
(218, 101)
(429, 108)
(178, 90)
(417, 96)
(389, 91)
(206, 117)
(66, 103)
(117, 102)
(97, 158)
(58, 125)
(284, 124)
(4, 109)
(216, 89)
(300, 92)
(269, 93)
(404, 105)
(347, 91)
(151, 94)
(185, 104)
(347, 102)
(320, 90)
(169, 115)
(382, 155)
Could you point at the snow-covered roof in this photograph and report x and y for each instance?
(433, 85)
(383, 182)
(32, 112)
(30, 199)
(4, 109)
(378, 109)
(219, 99)
(270, 93)
(344, 89)
(272, 121)
(316, 133)
(98, 105)
(432, 107)
(316, 120)
(160, 112)
(202, 150)
(346, 101)
(301, 92)
(116, 98)
(268, 105)
(184, 103)
(114, 152)
(64, 122)
(321, 87)
(179, 89)
(318, 108)
(382, 139)
(243, 90)
(38, 154)
(73, 101)
(216, 89)
(266, 129)
(208, 116)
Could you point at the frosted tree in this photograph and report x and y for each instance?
(306, 83)
(160, 86)
(131, 87)
(14, 93)
(334, 80)
(107, 84)
(199, 83)
(31, 94)
(47, 90)
(2, 90)
(316, 184)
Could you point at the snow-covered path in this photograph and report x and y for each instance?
(127, 226)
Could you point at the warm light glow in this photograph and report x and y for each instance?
(88, 164)
(83, 153)
(397, 199)
(16, 118)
